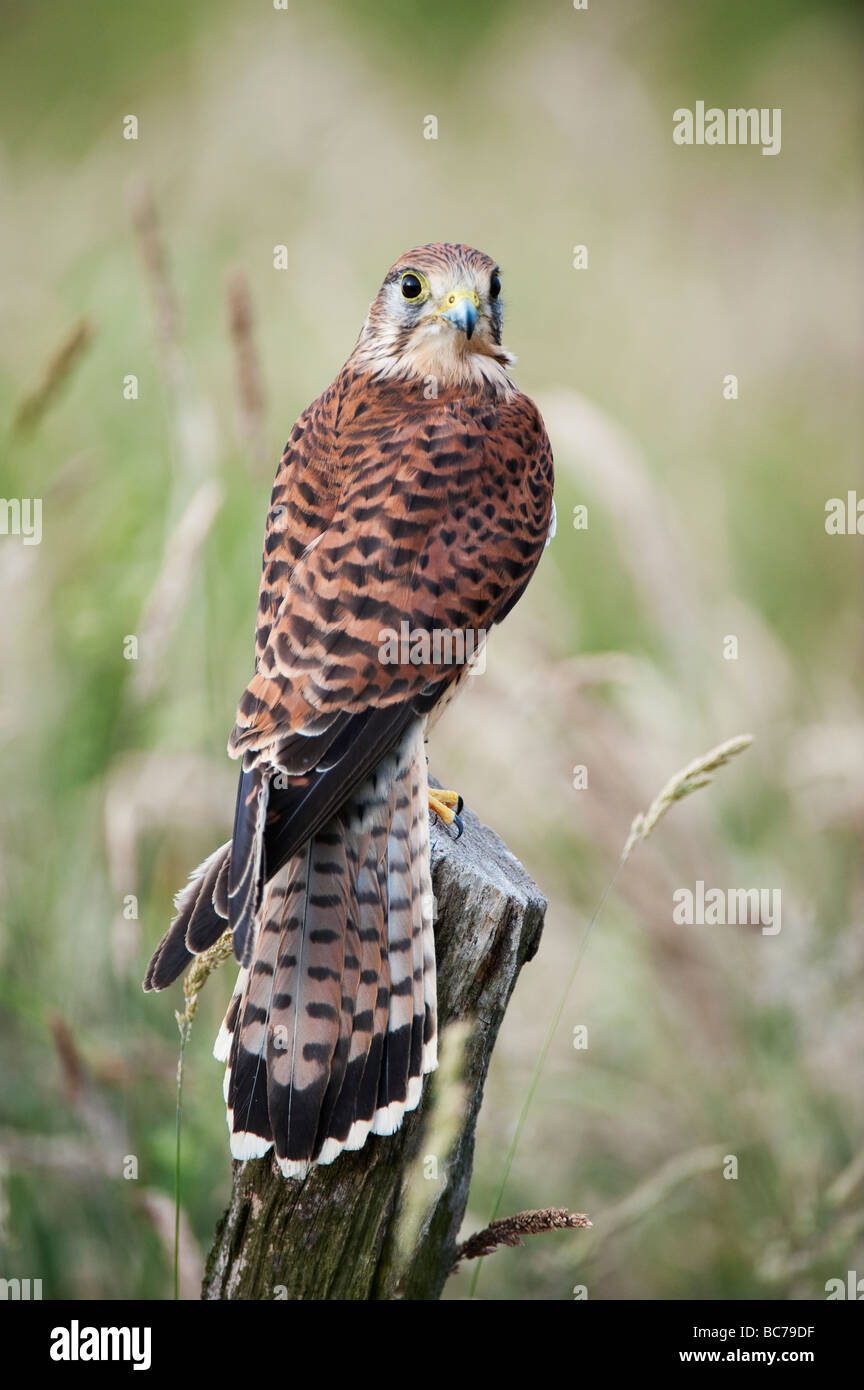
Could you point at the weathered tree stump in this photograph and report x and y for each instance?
(383, 1223)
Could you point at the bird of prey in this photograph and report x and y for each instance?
(414, 496)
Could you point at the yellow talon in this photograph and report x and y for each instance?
(445, 804)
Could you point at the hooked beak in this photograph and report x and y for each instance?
(460, 308)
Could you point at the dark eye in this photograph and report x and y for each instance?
(495, 285)
(411, 286)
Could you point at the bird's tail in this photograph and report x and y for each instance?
(333, 1023)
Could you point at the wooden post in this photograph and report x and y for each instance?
(383, 1223)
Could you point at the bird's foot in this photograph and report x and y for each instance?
(447, 805)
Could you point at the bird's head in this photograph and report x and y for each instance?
(438, 314)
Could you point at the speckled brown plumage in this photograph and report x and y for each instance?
(414, 495)
(431, 512)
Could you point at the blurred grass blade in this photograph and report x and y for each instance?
(696, 774)
(58, 369)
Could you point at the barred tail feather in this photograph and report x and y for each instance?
(352, 1120)
(422, 936)
(332, 1026)
(306, 1013)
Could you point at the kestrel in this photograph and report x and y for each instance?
(414, 498)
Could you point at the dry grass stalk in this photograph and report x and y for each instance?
(195, 430)
(166, 311)
(105, 1128)
(199, 973)
(57, 370)
(167, 599)
(697, 774)
(510, 1230)
(250, 383)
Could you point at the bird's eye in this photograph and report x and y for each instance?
(495, 285)
(412, 286)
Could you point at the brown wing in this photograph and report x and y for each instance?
(431, 514)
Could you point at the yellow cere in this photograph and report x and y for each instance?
(455, 295)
